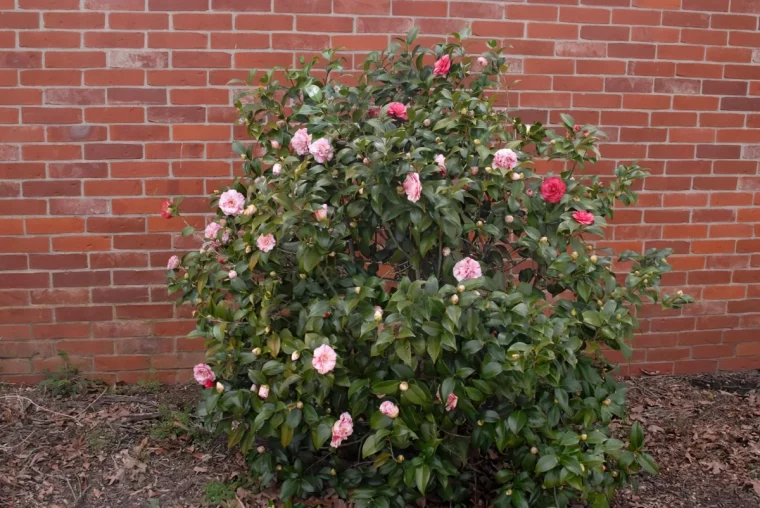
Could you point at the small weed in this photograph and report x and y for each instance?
(97, 439)
(219, 492)
(142, 387)
(66, 381)
(173, 424)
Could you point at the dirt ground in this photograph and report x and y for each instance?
(139, 446)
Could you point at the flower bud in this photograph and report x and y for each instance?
(299, 404)
(278, 467)
(479, 224)
(463, 111)
(437, 140)
(516, 176)
(219, 387)
(477, 142)
(584, 437)
(426, 122)
(508, 492)
(618, 194)
(353, 224)
(243, 156)
(378, 314)
(599, 303)
(254, 388)
(679, 293)
(446, 252)
(400, 459)
(232, 274)
(295, 355)
(607, 402)
(275, 144)
(250, 210)
(256, 351)
(509, 219)
(403, 386)
(332, 254)
(361, 191)
(543, 239)
(574, 255)
(614, 474)
(534, 450)
(481, 423)
(357, 290)
(594, 259)
(454, 299)
(515, 356)
(247, 249)
(267, 329)
(400, 190)
(333, 472)
(302, 276)
(261, 449)
(366, 160)
(460, 288)
(489, 169)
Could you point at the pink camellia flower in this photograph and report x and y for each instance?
(505, 159)
(173, 263)
(373, 112)
(322, 150)
(441, 161)
(300, 141)
(413, 187)
(341, 430)
(584, 217)
(204, 375)
(442, 66)
(576, 127)
(232, 202)
(232, 274)
(324, 359)
(321, 213)
(166, 209)
(467, 268)
(265, 243)
(552, 189)
(397, 110)
(263, 391)
(482, 61)
(276, 169)
(451, 402)
(389, 409)
(212, 230)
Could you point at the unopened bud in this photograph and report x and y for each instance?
(460, 288)
(477, 142)
(426, 123)
(366, 160)
(594, 259)
(574, 255)
(278, 467)
(454, 299)
(299, 404)
(509, 219)
(261, 449)
(219, 387)
(679, 293)
(599, 303)
(437, 140)
(403, 386)
(333, 472)
(480, 423)
(243, 156)
(295, 356)
(534, 450)
(607, 402)
(584, 437)
(543, 239)
(515, 356)
(489, 169)
(446, 251)
(614, 474)
(509, 492)
(479, 224)
(574, 312)
(357, 290)
(400, 190)
(256, 351)
(248, 249)
(474, 170)
(400, 459)
(332, 254)
(275, 145)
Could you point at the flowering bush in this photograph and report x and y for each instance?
(396, 305)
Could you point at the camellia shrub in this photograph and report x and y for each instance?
(396, 305)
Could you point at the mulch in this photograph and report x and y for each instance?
(128, 447)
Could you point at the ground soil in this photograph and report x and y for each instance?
(140, 447)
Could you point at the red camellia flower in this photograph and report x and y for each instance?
(584, 217)
(442, 66)
(166, 209)
(397, 110)
(552, 189)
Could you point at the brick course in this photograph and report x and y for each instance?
(109, 106)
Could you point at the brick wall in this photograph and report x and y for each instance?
(108, 106)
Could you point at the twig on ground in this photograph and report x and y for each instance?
(21, 398)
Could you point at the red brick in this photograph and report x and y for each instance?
(84, 313)
(57, 261)
(138, 21)
(52, 225)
